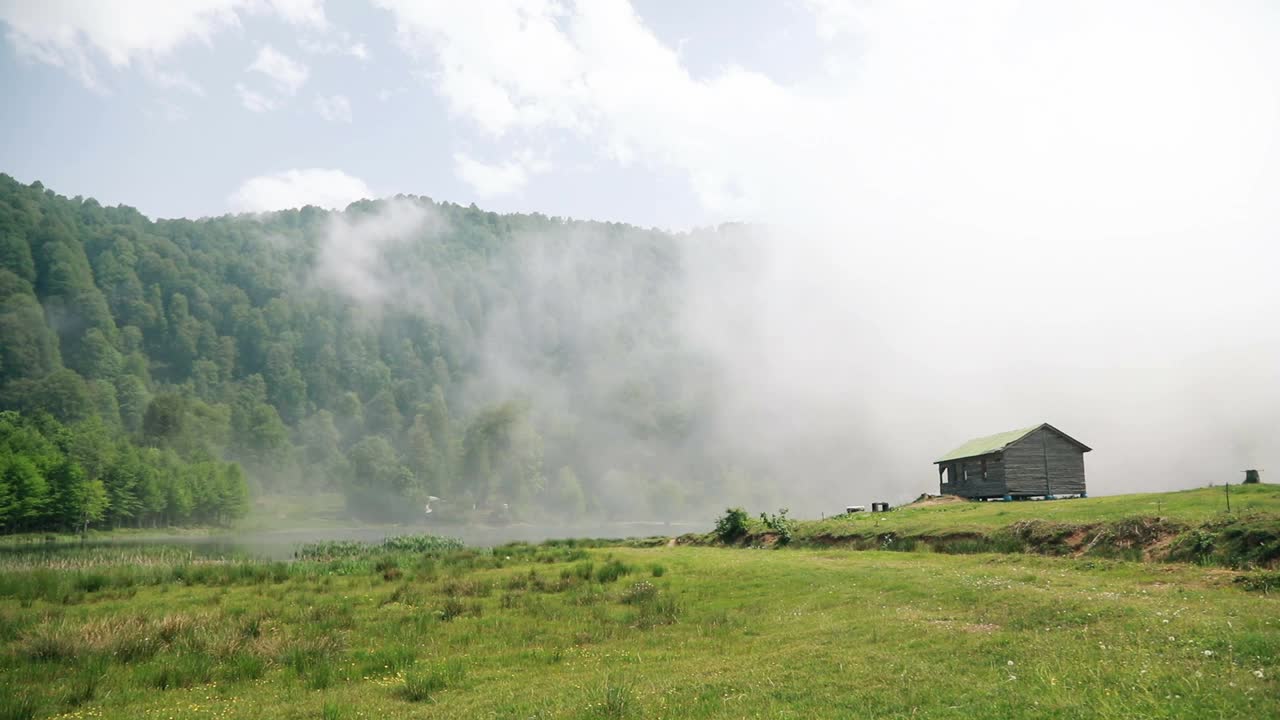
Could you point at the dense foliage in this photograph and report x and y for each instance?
(55, 477)
(732, 525)
(402, 352)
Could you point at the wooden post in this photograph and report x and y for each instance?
(1227, 487)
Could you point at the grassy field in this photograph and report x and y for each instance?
(1185, 526)
(1186, 506)
(557, 631)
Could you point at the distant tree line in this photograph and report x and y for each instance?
(55, 477)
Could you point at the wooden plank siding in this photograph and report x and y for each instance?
(1025, 461)
(975, 486)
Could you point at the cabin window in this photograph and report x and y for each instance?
(984, 468)
(964, 471)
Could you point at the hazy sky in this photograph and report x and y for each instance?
(987, 214)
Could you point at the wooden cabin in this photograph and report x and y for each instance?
(1039, 461)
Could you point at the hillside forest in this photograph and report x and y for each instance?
(403, 353)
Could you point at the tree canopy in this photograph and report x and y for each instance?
(396, 351)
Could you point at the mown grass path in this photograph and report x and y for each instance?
(657, 633)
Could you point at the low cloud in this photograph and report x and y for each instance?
(357, 255)
(332, 189)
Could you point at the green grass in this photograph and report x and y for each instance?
(1186, 506)
(1185, 526)
(558, 631)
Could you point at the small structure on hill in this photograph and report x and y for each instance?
(1252, 477)
(1039, 461)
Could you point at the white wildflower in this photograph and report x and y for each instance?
(1208, 653)
(1257, 674)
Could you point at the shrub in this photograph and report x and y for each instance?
(582, 570)
(389, 568)
(452, 608)
(611, 571)
(643, 591)
(1264, 582)
(659, 610)
(732, 525)
(658, 570)
(780, 525)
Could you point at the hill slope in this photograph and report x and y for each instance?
(1187, 525)
(514, 365)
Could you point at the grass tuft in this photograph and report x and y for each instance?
(424, 685)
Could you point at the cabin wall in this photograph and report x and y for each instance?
(1025, 465)
(976, 486)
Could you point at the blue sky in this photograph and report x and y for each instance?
(183, 149)
(661, 113)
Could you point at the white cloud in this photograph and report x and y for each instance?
(77, 36)
(254, 101)
(170, 79)
(297, 188)
(335, 108)
(956, 88)
(305, 13)
(339, 43)
(489, 180)
(833, 18)
(287, 74)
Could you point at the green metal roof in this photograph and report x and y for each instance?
(987, 445)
